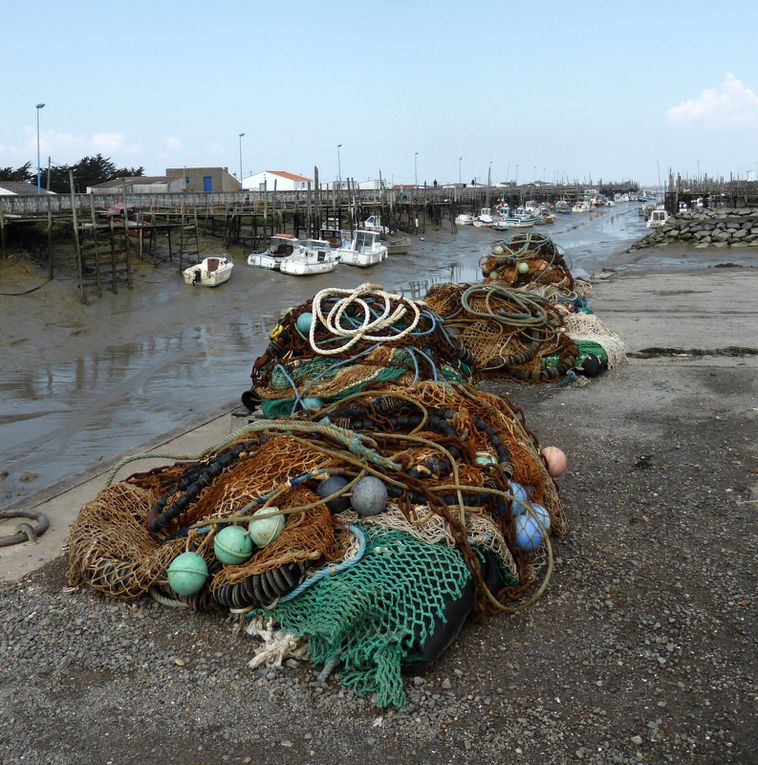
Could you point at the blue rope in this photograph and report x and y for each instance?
(329, 570)
(431, 363)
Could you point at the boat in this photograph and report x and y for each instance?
(545, 217)
(657, 219)
(311, 256)
(374, 223)
(513, 221)
(210, 272)
(364, 250)
(332, 233)
(464, 219)
(484, 218)
(580, 207)
(280, 247)
(399, 246)
(562, 207)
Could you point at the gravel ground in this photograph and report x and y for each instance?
(641, 650)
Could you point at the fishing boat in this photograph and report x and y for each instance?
(581, 207)
(210, 272)
(513, 221)
(364, 250)
(374, 223)
(657, 219)
(562, 207)
(464, 219)
(311, 256)
(484, 218)
(545, 217)
(280, 247)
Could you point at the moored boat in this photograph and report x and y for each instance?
(210, 272)
(464, 219)
(399, 246)
(280, 247)
(312, 256)
(364, 250)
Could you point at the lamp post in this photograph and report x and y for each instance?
(339, 166)
(460, 159)
(517, 173)
(240, 137)
(489, 174)
(415, 169)
(39, 106)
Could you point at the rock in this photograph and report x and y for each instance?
(637, 740)
(27, 476)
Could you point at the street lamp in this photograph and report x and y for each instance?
(460, 159)
(339, 166)
(415, 169)
(39, 106)
(241, 135)
(517, 173)
(489, 174)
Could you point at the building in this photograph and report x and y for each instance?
(205, 178)
(20, 189)
(265, 180)
(138, 184)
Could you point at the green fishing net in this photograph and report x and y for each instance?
(586, 347)
(374, 615)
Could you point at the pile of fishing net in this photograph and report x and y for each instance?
(534, 262)
(366, 533)
(345, 341)
(507, 330)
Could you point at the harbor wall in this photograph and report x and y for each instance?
(722, 227)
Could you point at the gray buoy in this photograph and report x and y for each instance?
(369, 496)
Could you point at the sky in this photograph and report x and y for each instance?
(433, 90)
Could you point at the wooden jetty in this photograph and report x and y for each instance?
(105, 244)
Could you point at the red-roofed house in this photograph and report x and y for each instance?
(265, 179)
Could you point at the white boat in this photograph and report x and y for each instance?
(464, 219)
(513, 221)
(365, 250)
(657, 219)
(374, 223)
(311, 256)
(210, 272)
(563, 207)
(484, 218)
(581, 207)
(280, 247)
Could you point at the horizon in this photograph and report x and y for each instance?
(572, 93)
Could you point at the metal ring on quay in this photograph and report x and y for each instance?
(25, 532)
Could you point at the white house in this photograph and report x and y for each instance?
(265, 180)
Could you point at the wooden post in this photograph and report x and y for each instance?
(2, 233)
(80, 268)
(114, 286)
(97, 251)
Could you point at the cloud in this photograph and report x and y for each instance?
(108, 142)
(172, 142)
(733, 104)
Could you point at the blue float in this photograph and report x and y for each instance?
(528, 533)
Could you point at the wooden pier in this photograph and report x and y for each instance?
(105, 244)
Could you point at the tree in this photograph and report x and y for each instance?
(22, 173)
(88, 171)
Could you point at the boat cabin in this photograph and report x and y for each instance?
(365, 240)
(282, 245)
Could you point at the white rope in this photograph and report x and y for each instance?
(369, 328)
(277, 645)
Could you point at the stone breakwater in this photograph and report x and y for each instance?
(707, 228)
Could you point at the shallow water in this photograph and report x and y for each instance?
(164, 355)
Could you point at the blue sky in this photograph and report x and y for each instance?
(607, 90)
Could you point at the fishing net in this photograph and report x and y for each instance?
(506, 330)
(587, 330)
(346, 341)
(443, 544)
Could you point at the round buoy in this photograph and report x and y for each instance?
(556, 460)
(312, 403)
(543, 514)
(528, 533)
(266, 528)
(520, 500)
(187, 573)
(329, 486)
(369, 496)
(232, 545)
(498, 250)
(523, 267)
(304, 321)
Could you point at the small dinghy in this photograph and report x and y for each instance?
(210, 272)
(280, 247)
